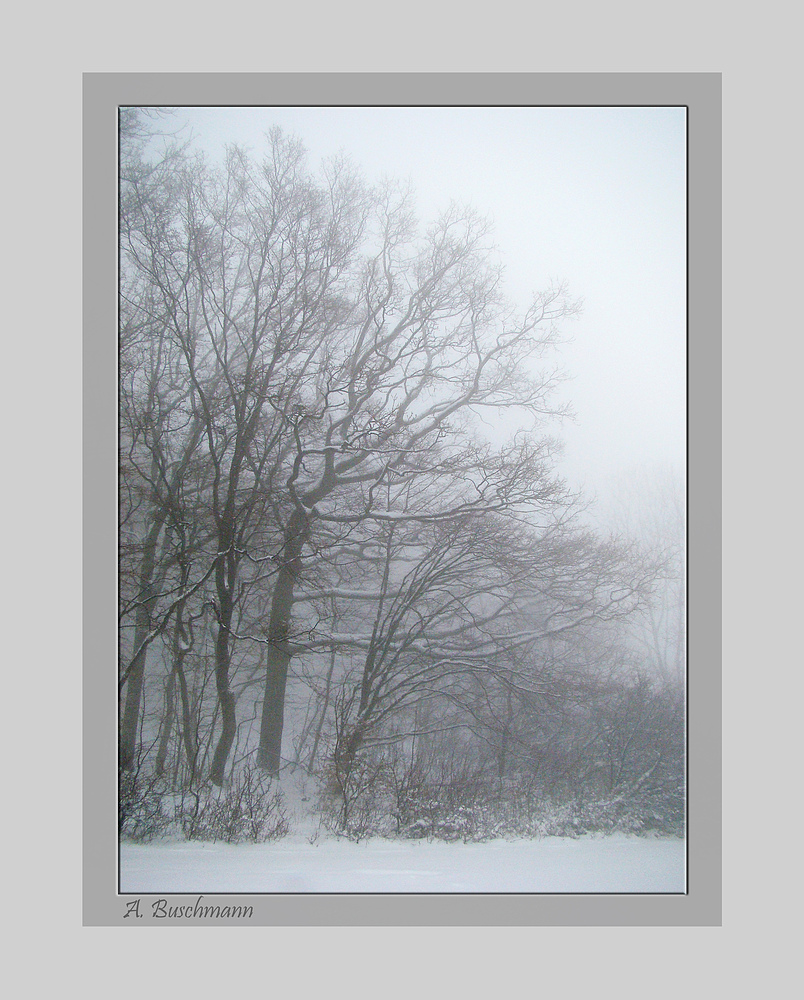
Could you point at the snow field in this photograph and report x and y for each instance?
(616, 863)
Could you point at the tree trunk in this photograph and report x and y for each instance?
(269, 755)
(188, 727)
(129, 725)
(167, 722)
(506, 733)
(322, 718)
(226, 699)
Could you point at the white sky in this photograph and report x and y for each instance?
(593, 196)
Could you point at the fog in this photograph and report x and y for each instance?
(595, 197)
(344, 560)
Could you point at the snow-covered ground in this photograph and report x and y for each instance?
(617, 863)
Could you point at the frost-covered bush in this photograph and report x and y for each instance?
(142, 814)
(453, 814)
(442, 813)
(508, 811)
(355, 801)
(248, 810)
(618, 768)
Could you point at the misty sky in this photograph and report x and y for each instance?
(592, 196)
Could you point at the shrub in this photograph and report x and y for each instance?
(141, 807)
(248, 810)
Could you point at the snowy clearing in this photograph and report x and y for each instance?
(617, 863)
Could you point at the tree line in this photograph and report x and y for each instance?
(307, 494)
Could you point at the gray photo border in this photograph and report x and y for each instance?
(701, 94)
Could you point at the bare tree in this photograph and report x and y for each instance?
(428, 342)
(303, 372)
(649, 507)
(244, 267)
(468, 613)
(160, 468)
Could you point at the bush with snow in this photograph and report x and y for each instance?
(248, 810)
(389, 799)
